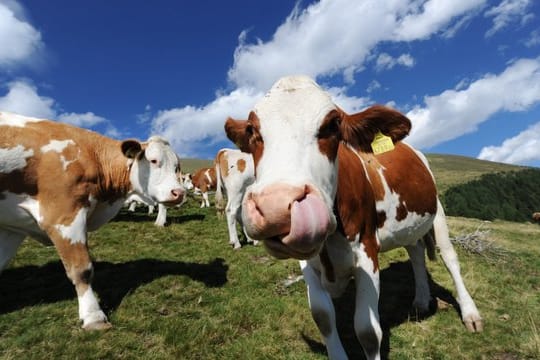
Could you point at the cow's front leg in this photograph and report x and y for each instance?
(366, 315)
(161, 219)
(206, 202)
(70, 242)
(323, 312)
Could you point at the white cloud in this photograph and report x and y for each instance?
(533, 39)
(22, 98)
(328, 37)
(457, 112)
(522, 149)
(19, 39)
(373, 85)
(387, 62)
(190, 127)
(508, 12)
(87, 120)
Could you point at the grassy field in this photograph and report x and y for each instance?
(181, 292)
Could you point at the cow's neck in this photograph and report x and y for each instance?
(113, 181)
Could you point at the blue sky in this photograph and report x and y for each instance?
(467, 72)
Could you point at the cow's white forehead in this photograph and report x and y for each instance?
(295, 102)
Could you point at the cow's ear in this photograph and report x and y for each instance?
(360, 129)
(236, 132)
(131, 148)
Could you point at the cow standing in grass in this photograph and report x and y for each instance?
(234, 173)
(536, 217)
(57, 182)
(204, 180)
(323, 197)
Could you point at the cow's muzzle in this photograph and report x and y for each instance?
(293, 221)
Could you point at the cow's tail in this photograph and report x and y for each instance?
(220, 201)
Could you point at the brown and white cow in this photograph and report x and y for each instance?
(234, 173)
(57, 182)
(323, 197)
(204, 180)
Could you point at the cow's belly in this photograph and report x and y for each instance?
(394, 233)
(103, 213)
(20, 214)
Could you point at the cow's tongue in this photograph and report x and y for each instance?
(309, 223)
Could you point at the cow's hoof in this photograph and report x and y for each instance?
(237, 246)
(97, 325)
(474, 323)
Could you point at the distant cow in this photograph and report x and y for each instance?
(322, 196)
(58, 181)
(234, 173)
(204, 180)
(536, 216)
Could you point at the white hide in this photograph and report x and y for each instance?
(157, 176)
(10, 119)
(291, 114)
(14, 158)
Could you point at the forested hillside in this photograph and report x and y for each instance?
(509, 196)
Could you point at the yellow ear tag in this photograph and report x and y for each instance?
(381, 143)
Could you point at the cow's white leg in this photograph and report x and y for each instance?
(231, 213)
(469, 312)
(323, 312)
(9, 244)
(418, 261)
(161, 216)
(132, 206)
(205, 199)
(366, 315)
(71, 244)
(151, 209)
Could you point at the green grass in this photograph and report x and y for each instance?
(181, 292)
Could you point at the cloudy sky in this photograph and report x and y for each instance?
(466, 72)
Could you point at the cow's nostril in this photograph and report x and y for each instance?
(177, 193)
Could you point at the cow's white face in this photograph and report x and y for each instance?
(187, 182)
(154, 173)
(293, 135)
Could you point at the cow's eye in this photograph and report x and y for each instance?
(154, 161)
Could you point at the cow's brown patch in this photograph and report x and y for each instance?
(246, 135)
(223, 163)
(356, 203)
(200, 180)
(241, 164)
(359, 129)
(329, 135)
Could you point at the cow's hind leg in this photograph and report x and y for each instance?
(418, 260)
(231, 211)
(323, 312)
(366, 316)
(9, 244)
(469, 312)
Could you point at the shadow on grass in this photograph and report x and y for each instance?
(32, 285)
(127, 216)
(395, 308)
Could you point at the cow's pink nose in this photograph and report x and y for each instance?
(269, 211)
(177, 194)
